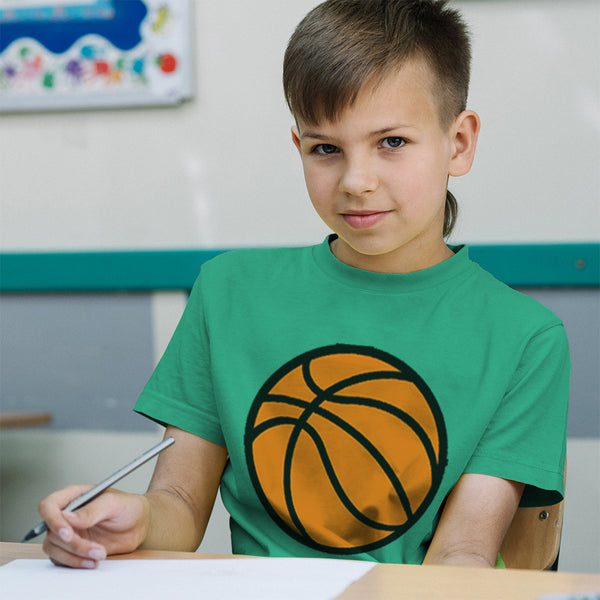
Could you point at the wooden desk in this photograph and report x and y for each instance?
(410, 582)
(24, 419)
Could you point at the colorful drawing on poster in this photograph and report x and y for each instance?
(94, 53)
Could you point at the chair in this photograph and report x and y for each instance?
(533, 538)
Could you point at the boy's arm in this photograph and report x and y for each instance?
(172, 515)
(474, 521)
(182, 492)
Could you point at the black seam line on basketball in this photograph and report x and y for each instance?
(309, 379)
(407, 375)
(323, 395)
(334, 549)
(375, 453)
(301, 423)
(410, 421)
(354, 433)
(287, 481)
(387, 468)
(350, 507)
(342, 383)
(287, 400)
(348, 504)
(370, 376)
(316, 407)
(259, 429)
(398, 413)
(328, 395)
(361, 378)
(308, 411)
(320, 393)
(434, 460)
(377, 404)
(298, 425)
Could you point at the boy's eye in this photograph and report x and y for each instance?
(393, 142)
(325, 149)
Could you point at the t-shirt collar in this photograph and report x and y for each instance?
(451, 268)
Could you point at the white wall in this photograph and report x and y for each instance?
(536, 86)
(220, 170)
(217, 171)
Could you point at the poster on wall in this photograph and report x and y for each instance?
(66, 54)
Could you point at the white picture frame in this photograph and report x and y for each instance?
(70, 54)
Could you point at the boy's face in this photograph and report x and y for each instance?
(377, 175)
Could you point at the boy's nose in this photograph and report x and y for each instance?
(358, 178)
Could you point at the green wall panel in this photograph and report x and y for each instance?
(532, 265)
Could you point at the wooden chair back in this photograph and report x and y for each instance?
(533, 538)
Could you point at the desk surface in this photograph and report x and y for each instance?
(395, 582)
(24, 419)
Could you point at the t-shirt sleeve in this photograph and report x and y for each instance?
(179, 391)
(526, 438)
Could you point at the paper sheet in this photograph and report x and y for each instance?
(225, 579)
(574, 596)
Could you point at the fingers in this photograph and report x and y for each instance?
(113, 523)
(65, 541)
(51, 508)
(71, 550)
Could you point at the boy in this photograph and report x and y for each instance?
(377, 396)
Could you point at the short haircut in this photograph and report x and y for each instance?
(342, 45)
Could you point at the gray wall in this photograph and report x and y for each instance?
(580, 311)
(86, 357)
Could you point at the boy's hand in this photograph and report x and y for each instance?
(113, 523)
(172, 515)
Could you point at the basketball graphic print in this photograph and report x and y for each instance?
(346, 447)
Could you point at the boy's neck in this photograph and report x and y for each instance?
(403, 260)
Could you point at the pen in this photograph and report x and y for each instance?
(103, 485)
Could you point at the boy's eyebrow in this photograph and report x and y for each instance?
(317, 135)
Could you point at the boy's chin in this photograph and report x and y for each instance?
(386, 257)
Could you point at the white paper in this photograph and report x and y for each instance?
(222, 579)
(574, 596)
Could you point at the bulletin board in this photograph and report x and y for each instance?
(66, 54)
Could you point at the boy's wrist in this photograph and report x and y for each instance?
(166, 523)
(144, 521)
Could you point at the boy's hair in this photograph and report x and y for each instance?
(341, 45)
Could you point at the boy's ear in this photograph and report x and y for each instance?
(296, 138)
(464, 131)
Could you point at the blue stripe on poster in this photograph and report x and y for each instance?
(58, 28)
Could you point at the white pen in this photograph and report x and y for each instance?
(103, 485)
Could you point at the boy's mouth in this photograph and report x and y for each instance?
(363, 219)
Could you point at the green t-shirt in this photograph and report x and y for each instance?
(351, 402)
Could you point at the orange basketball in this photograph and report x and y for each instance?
(346, 447)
